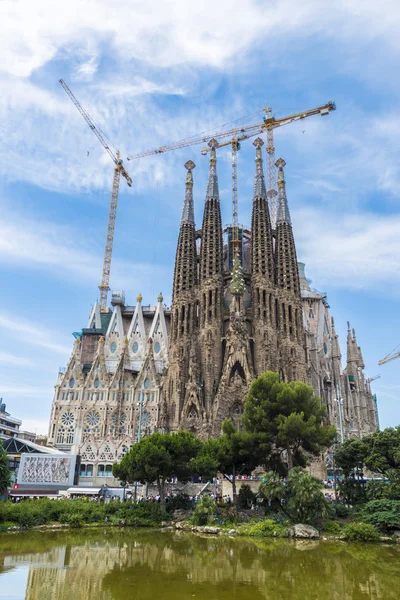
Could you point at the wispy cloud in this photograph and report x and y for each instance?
(11, 359)
(32, 335)
(349, 249)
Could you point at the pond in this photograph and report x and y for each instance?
(122, 564)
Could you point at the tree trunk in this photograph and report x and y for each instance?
(289, 459)
(234, 487)
(161, 491)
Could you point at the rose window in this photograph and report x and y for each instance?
(67, 418)
(93, 418)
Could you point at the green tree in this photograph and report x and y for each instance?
(158, 457)
(233, 453)
(5, 473)
(300, 497)
(378, 452)
(288, 417)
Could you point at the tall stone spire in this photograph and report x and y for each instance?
(287, 271)
(185, 274)
(288, 308)
(212, 184)
(262, 256)
(211, 233)
(188, 208)
(211, 292)
(262, 273)
(283, 214)
(183, 329)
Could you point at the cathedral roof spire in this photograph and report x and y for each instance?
(188, 207)
(335, 342)
(212, 185)
(185, 275)
(259, 183)
(283, 214)
(262, 252)
(287, 270)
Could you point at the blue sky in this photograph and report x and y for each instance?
(153, 73)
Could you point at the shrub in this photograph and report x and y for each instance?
(300, 498)
(267, 528)
(341, 511)
(331, 528)
(205, 511)
(76, 520)
(360, 532)
(246, 497)
(385, 514)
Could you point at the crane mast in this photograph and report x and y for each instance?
(119, 170)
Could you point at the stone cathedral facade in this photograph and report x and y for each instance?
(241, 305)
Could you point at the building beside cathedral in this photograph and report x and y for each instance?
(241, 305)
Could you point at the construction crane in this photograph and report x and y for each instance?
(119, 170)
(371, 379)
(268, 124)
(389, 357)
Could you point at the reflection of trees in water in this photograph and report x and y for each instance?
(162, 564)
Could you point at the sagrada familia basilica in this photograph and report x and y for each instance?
(241, 305)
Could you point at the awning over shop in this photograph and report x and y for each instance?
(89, 491)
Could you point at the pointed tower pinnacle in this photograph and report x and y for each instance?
(259, 183)
(185, 275)
(283, 214)
(352, 352)
(335, 342)
(360, 359)
(287, 270)
(212, 185)
(262, 254)
(211, 252)
(188, 208)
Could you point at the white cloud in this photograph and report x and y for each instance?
(349, 249)
(31, 334)
(11, 359)
(36, 243)
(172, 32)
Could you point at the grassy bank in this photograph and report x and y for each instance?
(76, 513)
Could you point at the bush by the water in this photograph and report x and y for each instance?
(384, 514)
(360, 532)
(30, 513)
(205, 511)
(266, 528)
(300, 497)
(331, 528)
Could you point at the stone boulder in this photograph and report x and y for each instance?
(212, 530)
(301, 531)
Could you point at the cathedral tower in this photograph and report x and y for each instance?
(262, 273)
(211, 285)
(288, 307)
(183, 311)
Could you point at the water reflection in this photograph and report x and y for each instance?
(145, 565)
